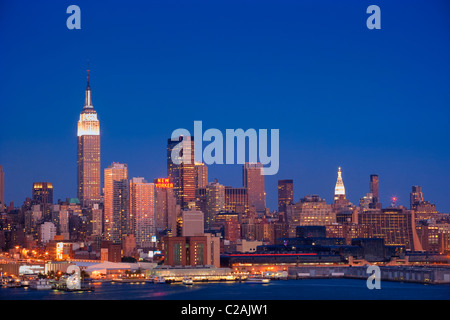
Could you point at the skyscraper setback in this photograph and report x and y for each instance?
(88, 153)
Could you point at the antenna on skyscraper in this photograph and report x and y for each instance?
(88, 69)
(394, 200)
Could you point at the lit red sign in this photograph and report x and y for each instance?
(163, 183)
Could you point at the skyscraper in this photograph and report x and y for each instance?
(142, 211)
(2, 187)
(254, 182)
(339, 190)
(285, 194)
(117, 218)
(88, 153)
(215, 202)
(166, 208)
(201, 175)
(374, 190)
(42, 193)
(236, 200)
(183, 174)
(416, 197)
(374, 187)
(173, 169)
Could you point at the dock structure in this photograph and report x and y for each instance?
(416, 274)
(197, 274)
(84, 286)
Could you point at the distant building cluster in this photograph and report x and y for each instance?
(184, 219)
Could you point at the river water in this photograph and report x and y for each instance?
(308, 289)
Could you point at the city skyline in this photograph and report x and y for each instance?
(137, 90)
(339, 188)
(224, 150)
(88, 106)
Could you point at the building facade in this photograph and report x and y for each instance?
(42, 193)
(314, 211)
(253, 180)
(48, 232)
(117, 217)
(192, 251)
(142, 211)
(201, 175)
(181, 169)
(395, 225)
(374, 190)
(215, 202)
(416, 197)
(285, 194)
(236, 200)
(193, 223)
(166, 208)
(229, 223)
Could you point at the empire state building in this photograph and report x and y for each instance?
(88, 153)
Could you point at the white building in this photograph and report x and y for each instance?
(48, 232)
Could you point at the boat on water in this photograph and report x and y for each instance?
(188, 281)
(40, 284)
(25, 283)
(128, 280)
(283, 275)
(5, 281)
(159, 280)
(253, 279)
(16, 283)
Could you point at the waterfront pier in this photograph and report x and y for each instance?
(417, 274)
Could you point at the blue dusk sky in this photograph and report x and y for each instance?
(370, 101)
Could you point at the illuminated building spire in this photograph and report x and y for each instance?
(339, 190)
(88, 101)
(88, 123)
